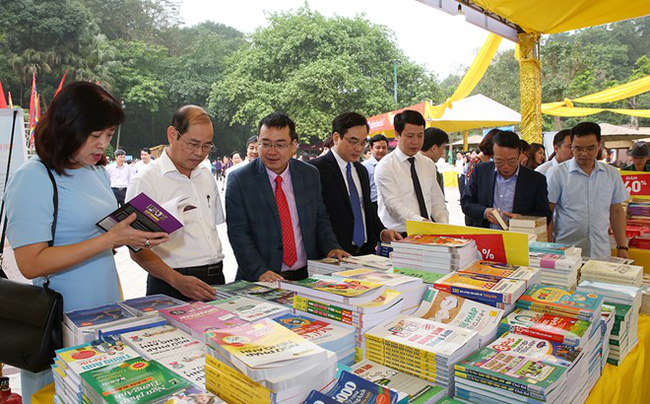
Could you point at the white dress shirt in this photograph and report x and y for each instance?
(370, 165)
(343, 166)
(197, 242)
(139, 166)
(120, 176)
(231, 169)
(545, 167)
(397, 201)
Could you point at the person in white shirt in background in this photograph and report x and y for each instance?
(192, 259)
(251, 154)
(120, 174)
(561, 149)
(406, 180)
(145, 160)
(378, 149)
(434, 147)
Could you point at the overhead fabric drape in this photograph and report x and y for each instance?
(472, 77)
(578, 111)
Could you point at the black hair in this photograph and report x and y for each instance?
(348, 120)
(77, 110)
(407, 116)
(252, 139)
(146, 150)
(278, 120)
(377, 138)
(506, 138)
(586, 129)
(558, 139)
(119, 152)
(233, 154)
(486, 144)
(434, 136)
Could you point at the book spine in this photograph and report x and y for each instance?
(493, 383)
(547, 335)
(556, 310)
(469, 293)
(501, 380)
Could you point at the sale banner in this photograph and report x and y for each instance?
(637, 183)
(494, 245)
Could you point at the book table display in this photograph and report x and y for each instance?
(477, 332)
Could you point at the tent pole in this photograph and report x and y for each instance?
(465, 140)
(530, 87)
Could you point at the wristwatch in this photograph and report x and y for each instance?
(622, 247)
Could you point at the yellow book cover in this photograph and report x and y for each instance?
(236, 386)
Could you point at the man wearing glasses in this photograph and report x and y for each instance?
(584, 193)
(275, 212)
(191, 260)
(504, 186)
(346, 188)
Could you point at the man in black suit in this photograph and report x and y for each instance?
(346, 188)
(506, 186)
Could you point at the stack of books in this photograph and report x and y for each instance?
(530, 225)
(357, 303)
(494, 376)
(149, 305)
(133, 380)
(371, 261)
(627, 300)
(554, 249)
(609, 272)
(351, 389)
(422, 348)
(501, 293)
(496, 270)
(645, 305)
(428, 257)
(608, 319)
(338, 338)
(250, 309)
(198, 318)
(446, 308)
(412, 289)
(258, 290)
(560, 270)
(325, 266)
(266, 362)
(71, 362)
(86, 325)
(419, 391)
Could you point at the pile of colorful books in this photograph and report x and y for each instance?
(358, 303)
(501, 293)
(530, 225)
(256, 290)
(609, 272)
(266, 362)
(198, 318)
(560, 270)
(428, 257)
(250, 309)
(555, 248)
(645, 304)
(446, 308)
(422, 348)
(496, 270)
(350, 388)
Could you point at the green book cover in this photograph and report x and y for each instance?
(427, 277)
(133, 381)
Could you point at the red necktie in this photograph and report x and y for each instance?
(289, 255)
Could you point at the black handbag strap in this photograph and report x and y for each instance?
(55, 202)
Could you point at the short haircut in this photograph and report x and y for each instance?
(524, 146)
(434, 136)
(188, 115)
(278, 120)
(252, 139)
(119, 152)
(586, 129)
(377, 138)
(145, 150)
(486, 144)
(348, 120)
(233, 154)
(77, 110)
(506, 138)
(558, 139)
(407, 116)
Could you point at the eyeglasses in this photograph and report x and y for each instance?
(279, 146)
(355, 143)
(193, 146)
(510, 162)
(581, 150)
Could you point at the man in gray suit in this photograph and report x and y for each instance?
(274, 209)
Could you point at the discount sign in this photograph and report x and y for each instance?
(637, 183)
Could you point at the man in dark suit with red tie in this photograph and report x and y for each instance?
(274, 209)
(346, 188)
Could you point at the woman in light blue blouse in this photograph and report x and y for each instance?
(70, 140)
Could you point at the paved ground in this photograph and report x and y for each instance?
(133, 278)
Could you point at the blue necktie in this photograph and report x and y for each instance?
(358, 236)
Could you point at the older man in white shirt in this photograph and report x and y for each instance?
(406, 180)
(192, 259)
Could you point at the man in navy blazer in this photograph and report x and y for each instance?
(505, 185)
(274, 209)
(346, 188)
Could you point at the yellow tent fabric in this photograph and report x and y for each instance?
(472, 77)
(553, 16)
(611, 94)
(576, 111)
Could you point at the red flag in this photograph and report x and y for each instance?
(61, 83)
(11, 103)
(3, 100)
